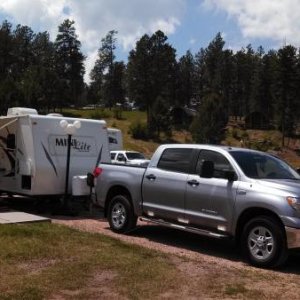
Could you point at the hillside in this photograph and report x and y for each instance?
(264, 140)
(123, 123)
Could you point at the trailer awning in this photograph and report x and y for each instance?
(4, 122)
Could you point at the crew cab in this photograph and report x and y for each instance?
(217, 191)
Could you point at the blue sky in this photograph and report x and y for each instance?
(189, 24)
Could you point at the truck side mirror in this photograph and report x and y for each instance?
(230, 175)
(207, 169)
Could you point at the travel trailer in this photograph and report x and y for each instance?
(115, 140)
(33, 151)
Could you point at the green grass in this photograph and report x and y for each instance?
(41, 261)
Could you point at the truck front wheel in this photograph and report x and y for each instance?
(264, 243)
(120, 215)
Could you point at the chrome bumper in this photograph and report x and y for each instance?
(292, 237)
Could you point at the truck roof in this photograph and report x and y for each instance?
(208, 147)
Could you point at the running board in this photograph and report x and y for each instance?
(186, 228)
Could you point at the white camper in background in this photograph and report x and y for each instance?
(33, 150)
(115, 140)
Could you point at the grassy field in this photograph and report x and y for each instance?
(45, 261)
(123, 123)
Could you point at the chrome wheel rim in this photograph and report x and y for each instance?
(118, 215)
(261, 243)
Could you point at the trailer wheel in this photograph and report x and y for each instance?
(264, 243)
(120, 215)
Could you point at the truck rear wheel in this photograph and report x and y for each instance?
(264, 243)
(120, 215)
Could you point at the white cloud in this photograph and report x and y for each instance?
(192, 41)
(277, 20)
(43, 14)
(94, 18)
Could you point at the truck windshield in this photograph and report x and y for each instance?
(263, 166)
(135, 155)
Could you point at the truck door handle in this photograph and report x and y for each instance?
(151, 177)
(193, 182)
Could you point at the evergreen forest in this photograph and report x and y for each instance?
(213, 85)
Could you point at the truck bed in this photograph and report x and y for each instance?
(120, 175)
(124, 165)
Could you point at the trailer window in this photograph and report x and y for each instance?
(176, 159)
(112, 140)
(11, 141)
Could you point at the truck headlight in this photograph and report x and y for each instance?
(294, 202)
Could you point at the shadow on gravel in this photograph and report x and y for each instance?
(171, 237)
(189, 241)
(225, 249)
(49, 208)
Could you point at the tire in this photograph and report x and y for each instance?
(120, 214)
(264, 242)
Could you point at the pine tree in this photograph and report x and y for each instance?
(200, 80)
(7, 82)
(228, 70)
(243, 80)
(209, 124)
(69, 62)
(286, 90)
(186, 77)
(213, 65)
(44, 66)
(103, 74)
(152, 74)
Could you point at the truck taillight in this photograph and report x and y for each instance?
(97, 172)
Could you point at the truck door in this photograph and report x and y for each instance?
(209, 201)
(164, 186)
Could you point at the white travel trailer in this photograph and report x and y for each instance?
(115, 140)
(33, 152)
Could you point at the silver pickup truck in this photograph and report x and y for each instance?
(217, 191)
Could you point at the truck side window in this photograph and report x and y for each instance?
(221, 164)
(176, 159)
(112, 155)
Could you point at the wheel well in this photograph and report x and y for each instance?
(116, 190)
(251, 213)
